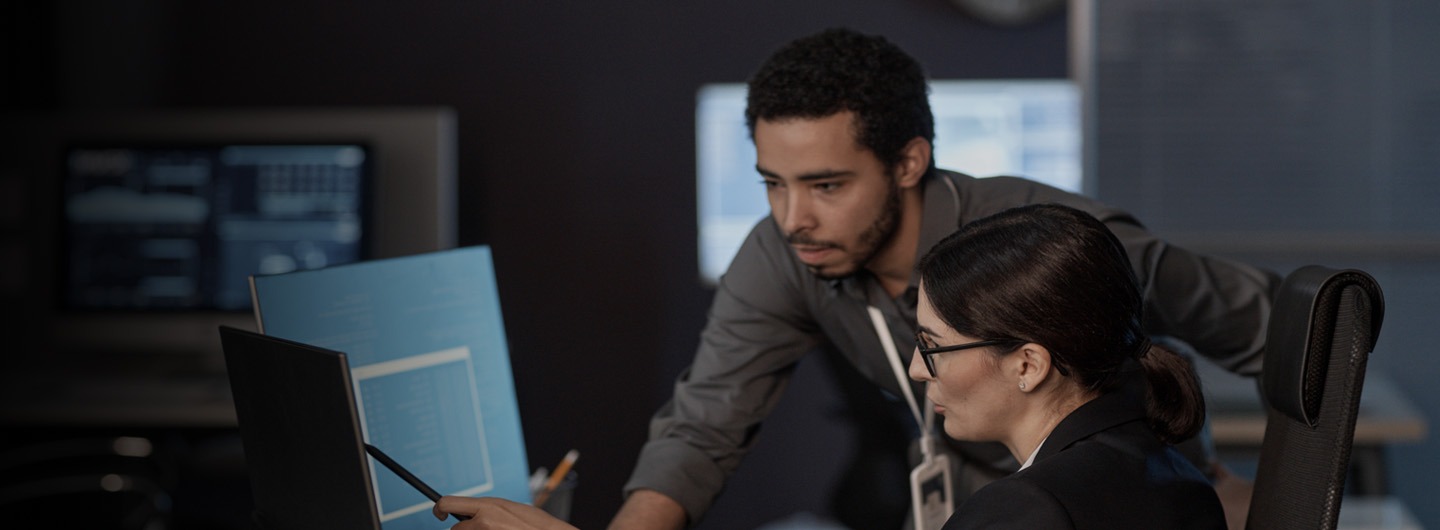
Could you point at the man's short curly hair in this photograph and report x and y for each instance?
(838, 70)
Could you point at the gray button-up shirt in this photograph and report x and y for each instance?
(769, 311)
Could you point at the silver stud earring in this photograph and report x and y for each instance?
(1022, 385)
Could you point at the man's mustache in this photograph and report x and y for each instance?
(807, 241)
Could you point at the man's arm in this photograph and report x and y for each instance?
(649, 510)
(1217, 306)
(760, 325)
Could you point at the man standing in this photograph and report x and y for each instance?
(843, 130)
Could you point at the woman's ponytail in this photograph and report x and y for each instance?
(1175, 408)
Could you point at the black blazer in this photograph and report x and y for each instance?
(1102, 467)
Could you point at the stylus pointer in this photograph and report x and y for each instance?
(404, 474)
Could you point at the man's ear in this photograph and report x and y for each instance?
(914, 162)
(1032, 366)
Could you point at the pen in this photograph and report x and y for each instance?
(557, 476)
(404, 474)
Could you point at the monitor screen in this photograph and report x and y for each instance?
(181, 227)
(148, 221)
(1028, 128)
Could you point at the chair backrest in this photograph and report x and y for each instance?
(1322, 330)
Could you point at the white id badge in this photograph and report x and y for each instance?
(932, 497)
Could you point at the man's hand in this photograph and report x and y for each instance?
(649, 510)
(490, 513)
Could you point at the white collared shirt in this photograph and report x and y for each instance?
(1031, 460)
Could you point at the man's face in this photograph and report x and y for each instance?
(833, 198)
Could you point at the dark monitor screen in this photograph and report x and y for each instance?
(181, 227)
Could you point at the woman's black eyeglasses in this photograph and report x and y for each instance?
(928, 354)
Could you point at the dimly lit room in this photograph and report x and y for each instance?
(591, 171)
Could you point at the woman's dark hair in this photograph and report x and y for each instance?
(838, 70)
(1055, 276)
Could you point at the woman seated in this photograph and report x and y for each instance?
(1029, 334)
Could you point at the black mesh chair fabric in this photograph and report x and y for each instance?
(1321, 333)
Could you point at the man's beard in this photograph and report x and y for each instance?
(871, 240)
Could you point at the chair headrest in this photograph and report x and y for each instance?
(1302, 325)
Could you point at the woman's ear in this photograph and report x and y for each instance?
(1031, 366)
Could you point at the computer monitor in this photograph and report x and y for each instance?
(181, 227)
(153, 220)
(1028, 128)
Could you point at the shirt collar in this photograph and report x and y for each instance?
(1031, 460)
(940, 218)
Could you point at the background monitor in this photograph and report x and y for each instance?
(151, 221)
(175, 227)
(984, 128)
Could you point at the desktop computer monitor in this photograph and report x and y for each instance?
(181, 227)
(150, 221)
(1028, 128)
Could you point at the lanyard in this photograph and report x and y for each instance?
(887, 342)
(926, 419)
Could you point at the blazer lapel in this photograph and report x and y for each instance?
(1123, 405)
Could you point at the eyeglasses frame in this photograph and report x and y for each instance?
(927, 354)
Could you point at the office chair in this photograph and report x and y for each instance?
(1322, 330)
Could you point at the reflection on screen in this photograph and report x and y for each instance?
(183, 227)
(1028, 128)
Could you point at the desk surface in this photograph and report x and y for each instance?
(1238, 419)
(1375, 513)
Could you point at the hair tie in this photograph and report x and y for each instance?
(1143, 348)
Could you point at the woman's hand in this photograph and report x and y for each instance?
(490, 513)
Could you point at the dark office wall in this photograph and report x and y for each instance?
(1283, 134)
(576, 163)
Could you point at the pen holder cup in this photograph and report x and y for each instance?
(558, 504)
